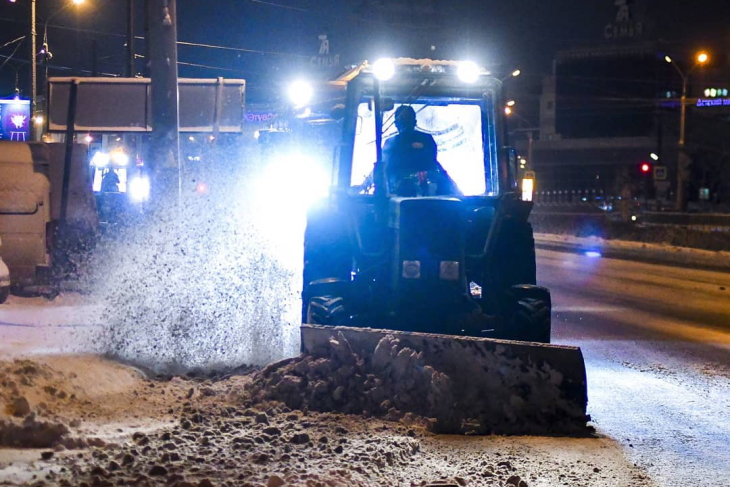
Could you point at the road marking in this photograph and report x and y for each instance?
(588, 309)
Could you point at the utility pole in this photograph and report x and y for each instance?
(164, 157)
(131, 71)
(33, 67)
(683, 160)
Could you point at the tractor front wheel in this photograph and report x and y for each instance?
(327, 310)
(532, 320)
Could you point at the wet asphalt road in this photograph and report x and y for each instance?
(656, 341)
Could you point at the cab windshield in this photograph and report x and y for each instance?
(468, 157)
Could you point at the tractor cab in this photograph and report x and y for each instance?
(423, 230)
(459, 113)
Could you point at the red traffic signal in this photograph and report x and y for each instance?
(645, 167)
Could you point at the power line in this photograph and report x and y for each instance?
(12, 42)
(279, 5)
(237, 49)
(8, 58)
(217, 68)
(181, 43)
(60, 68)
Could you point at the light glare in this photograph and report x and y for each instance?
(300, 93)
(654, 156)
(703, 57)
(139, 189)
(468, 72)
(528, 187)
(119, 157)
(383, 69)
(100, 159)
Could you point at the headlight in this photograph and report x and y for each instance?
(528, 186)
(300, 93)
(100, 159)
(119, 157)
(383, 69)
(449, 270)
(139, 189)
(411, 269)
(468, 72)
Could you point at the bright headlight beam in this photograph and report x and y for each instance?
(300, 93)
(468, 71)
(383, 69)
(139, 189)
(100, 159)
(119, 158)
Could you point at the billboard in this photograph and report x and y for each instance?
(124, 105)
(15, 120)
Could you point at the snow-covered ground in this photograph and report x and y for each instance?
(655, 340)
(649, 252)
(105, 424)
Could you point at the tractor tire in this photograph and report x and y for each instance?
(4, 293)
(327, 310)
(532, 321)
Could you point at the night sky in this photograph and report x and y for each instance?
(498, 33)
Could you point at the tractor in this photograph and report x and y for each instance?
(444, 249)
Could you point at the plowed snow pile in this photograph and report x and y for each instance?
(103, 424)
(392, 380)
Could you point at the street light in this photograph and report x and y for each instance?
(34, 49)
(701, 59)
(513, 74)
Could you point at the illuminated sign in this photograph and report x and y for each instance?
(625, 26)
(713, 102)
(716, 92)
(324, 59)
(260, 116)
(15, 120)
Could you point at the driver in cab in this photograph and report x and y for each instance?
(410, 159)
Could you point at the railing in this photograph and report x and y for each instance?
(594, 202)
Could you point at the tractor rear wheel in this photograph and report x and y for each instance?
(532, 320)
(327, 310)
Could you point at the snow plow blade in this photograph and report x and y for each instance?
(466, 385)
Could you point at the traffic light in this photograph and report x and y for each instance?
(645, 167)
